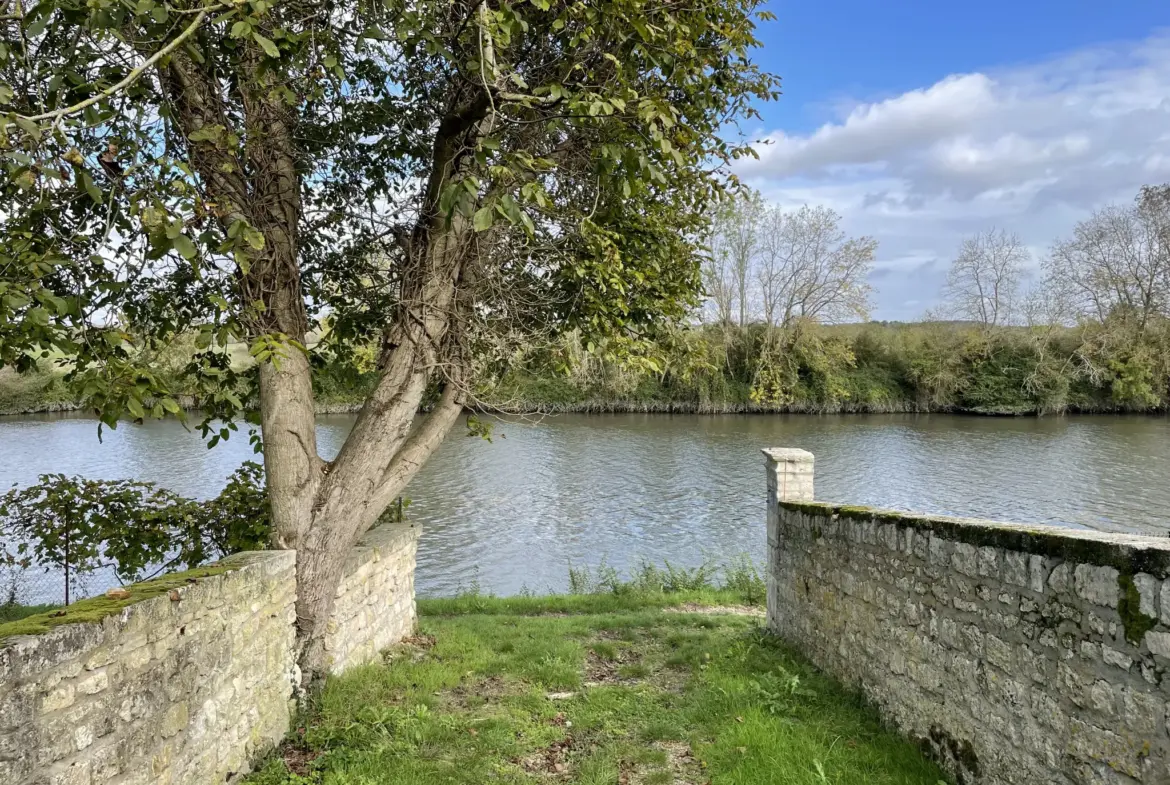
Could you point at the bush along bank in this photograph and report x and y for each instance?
(863, 368)
(1116, 366)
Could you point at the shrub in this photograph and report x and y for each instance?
(77, 526)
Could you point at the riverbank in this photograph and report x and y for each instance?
(589, 690)
(523, 395)
(870, 368)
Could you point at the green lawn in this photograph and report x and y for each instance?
(600, 689)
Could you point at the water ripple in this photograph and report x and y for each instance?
(514, 513)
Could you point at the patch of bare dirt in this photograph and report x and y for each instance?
(602, 670)
(718, 610)
(414, 648)
(684, 768)
(420, 641)
(671, 680)
(551, 761)
(297, 758)
(467, 696)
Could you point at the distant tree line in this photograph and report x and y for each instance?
(1084, 328)
(784, 328)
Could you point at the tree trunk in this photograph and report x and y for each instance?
(320, 509)
(291, 466)
(337, 525)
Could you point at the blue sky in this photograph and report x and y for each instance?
(921, 122)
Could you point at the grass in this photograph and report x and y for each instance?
(591, 689)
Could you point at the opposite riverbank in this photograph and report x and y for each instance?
(875, 368)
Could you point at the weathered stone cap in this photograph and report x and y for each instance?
(787, 454)
(1128, 553)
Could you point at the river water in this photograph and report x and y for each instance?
(513, 514)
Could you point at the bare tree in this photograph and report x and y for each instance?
(983, 284)
(718, 281)
(1117, 261)
(808, 268)
(734, 244)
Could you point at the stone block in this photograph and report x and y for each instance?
(1149, 589)
(1015, 568)
(1097, 584)
(1158, 643)
(989, 562)
(965, 559)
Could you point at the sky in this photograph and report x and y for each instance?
(921, 122)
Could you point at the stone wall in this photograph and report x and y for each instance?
(1012, 653)
(182, 688)
(190, 687)
(375, 602)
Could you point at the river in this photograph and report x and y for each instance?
(513, 514)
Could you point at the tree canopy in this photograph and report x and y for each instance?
(449, 178)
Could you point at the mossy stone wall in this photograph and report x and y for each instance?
(1012, 653)
(189, 680)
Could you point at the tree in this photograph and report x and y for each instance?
(446, 177)
(983, 284)
(1116, 265)
(810, 269)
(734, 243)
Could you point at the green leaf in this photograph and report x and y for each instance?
(254, 238)
(30, 127)
(5, 94)
(483, 219)
(135, 408)
(375, 32)
(185, 247)
(266, 44)
(37, 20)
(90, 187)
(241, 29)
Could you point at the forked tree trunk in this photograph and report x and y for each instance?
(320, 509)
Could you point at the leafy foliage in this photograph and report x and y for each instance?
(77, 526)
(186, 166)
(1092, 367)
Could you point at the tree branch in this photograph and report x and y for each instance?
(128, 80)
(419, 446)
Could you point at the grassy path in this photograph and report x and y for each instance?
(556, 691)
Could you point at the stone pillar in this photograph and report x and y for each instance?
(790, 478)
(790, 474)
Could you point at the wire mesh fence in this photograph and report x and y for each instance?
(52, 586)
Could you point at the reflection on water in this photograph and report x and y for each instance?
(514, 513)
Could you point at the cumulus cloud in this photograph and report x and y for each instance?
(1032, 149)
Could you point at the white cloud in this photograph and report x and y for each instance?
(1032, 149)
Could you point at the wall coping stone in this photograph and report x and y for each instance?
(378, 541)
(787, 454)
(69, 637)
(1128, 553)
